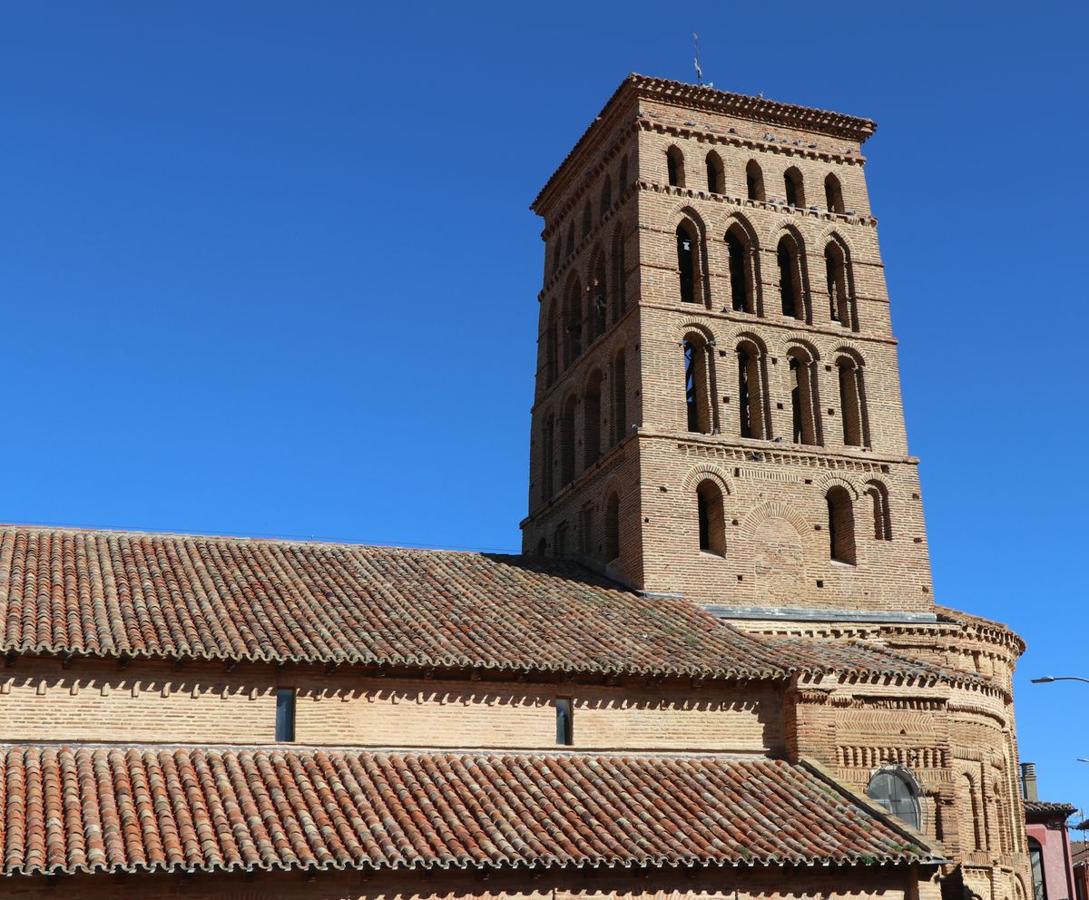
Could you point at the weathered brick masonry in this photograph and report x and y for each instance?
(717, 671)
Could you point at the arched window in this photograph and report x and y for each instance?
(542, 547)
(620, 274)
(896, 791)
(795, 187)
(551, 345)
(970, 824)
(833, 194)
(572, 323)
(606, 196)
(841, 526)
(675, 166)
(559, 541)
(598, 312)
(570, 246)
(690, 262)
(612, 528)
(840, 296)
(699, 389)
(852, 402)
(567, 441)
(882, 518)
(591, 416)
(754, 180)
(716, 174)
(622, 180)
(1036, 864)
(752, 391)
(548, 458)
(587, 219)
(741, 257)
(712, 521)
(805, 401)
(791, 277)
(620, 398)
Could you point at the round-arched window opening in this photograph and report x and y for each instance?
(896, 791)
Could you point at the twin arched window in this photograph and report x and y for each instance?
(606, 196)
(598, 313)
(882, 517)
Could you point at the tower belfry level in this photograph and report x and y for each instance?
(717, 411)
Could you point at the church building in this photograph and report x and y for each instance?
(717, 670)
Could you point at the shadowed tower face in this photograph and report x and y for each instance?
(717, 410)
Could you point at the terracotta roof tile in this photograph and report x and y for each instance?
(108, 809)
(1043, 808)
(179, 596)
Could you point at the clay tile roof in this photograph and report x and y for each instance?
(1043, 808)
(1079, 853)
(106, 809)
(856, 657)
(185, 597)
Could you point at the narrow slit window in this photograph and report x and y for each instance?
(285, 714)
(565, 723)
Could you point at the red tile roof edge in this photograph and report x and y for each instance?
(154, 805)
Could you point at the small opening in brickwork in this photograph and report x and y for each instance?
(833, 194)
(754, 180)
(675, 166)
(716, 174)
(285, 714)
(795, 187)
(712, 529)
(565, 722)
(841, 525)
(740, 256)
(612, 528)
(882, 518)
(820, 583)
(688, 262)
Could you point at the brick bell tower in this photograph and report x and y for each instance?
(717, 411)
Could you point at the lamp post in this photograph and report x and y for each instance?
(1047, 679)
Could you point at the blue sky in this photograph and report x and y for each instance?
(268, 268)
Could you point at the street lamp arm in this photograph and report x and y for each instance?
(1047, 679)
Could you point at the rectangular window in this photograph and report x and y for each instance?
(285, 714)
(565, 733)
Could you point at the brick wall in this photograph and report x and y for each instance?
(148, 702)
